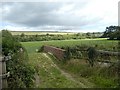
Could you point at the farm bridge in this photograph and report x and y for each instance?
(59, 53)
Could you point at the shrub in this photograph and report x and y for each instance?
(92, 53)
(67, 54)
(21, 74)
(41, 49)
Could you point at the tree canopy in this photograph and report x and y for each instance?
(112, 32)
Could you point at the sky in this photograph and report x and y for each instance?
(59, 15)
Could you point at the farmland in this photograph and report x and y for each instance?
(38, 32)
(47, 71)
(48, 36)
(51, 44)
(103, 44)
(77, 68)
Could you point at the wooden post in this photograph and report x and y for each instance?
(4, 80)
(3, 75)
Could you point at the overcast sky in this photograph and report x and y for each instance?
(72, 16)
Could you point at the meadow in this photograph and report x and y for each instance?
(102, 44)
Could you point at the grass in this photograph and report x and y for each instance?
(48, 74)
(88, 75)
(101, 43)
(103, 82)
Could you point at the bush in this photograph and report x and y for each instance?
(92, 53)
(41, 49)
(67, 54)
(21, 74)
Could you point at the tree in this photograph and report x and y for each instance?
(112, 32)
(88, 34)
(68, 53)
(47, 34)
(92, 53)
(22, 35)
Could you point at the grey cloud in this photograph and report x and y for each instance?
(45, 13)
(32, 14)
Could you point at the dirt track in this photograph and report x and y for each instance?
(70, 77)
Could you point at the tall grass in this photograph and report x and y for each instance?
(101, 76)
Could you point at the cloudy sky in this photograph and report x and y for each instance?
(55, 15)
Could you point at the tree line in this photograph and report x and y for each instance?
(112, 33)
(46, 37)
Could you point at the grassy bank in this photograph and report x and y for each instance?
(48, 75)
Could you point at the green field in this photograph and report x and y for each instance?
(103, 44)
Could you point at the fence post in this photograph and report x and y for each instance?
(3, 74)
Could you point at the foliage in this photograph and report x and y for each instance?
(8, 43)
(24, 37)
(92, 53)
(68, 55)
(100, 76)
(112, 32)
(41, 49)
(21, 74)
